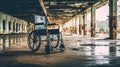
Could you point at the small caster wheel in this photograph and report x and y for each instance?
(62, 47)
(47, 49)
(53, 49)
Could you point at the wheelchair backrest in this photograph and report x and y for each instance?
(40, 22)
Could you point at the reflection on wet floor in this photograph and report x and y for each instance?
(7, 40)
(81, 51)
(94, 46)
(98, 50)
(1, 46)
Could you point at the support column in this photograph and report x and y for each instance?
(80, 24)
(85, 23)
(93, 23)
(72, 26)
(21, 28)
(13, 37)
(113, 19)
(75, 25)
(25, 28)
(28, 27)
(11, 27)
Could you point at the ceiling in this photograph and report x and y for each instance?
(23, 9)
(61, 11)
(58, 11)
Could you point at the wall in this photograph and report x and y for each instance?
(12, 24)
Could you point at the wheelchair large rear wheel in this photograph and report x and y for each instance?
(34, 41)
(54, 40)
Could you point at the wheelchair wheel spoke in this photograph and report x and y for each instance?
(34, 42)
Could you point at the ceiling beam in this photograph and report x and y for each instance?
(43, 7)
(70, 0)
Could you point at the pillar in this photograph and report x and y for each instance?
(14, 30)
(19, 32)
(11, 27)
(28, 27)
(93, 23)
(85, 23)
(7, 24)
(11, 35)
(75, 25)
(113, 19)
(25, 27)
(21, 28)
(72, 26)
(16, 37)
(80, 24)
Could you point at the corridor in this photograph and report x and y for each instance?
(81, 51)
(87, 33)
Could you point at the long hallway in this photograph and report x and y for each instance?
(90, 37)
(81, 51)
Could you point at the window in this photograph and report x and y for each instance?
(4, 25)
(9, 25)
(14, 26)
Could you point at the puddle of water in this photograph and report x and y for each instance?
(74, 44)
(118, 43)
(7, 44)
(96, 50)
(94, 47)
(1, 47)
(101, 43)
(101, 50)
(118, 51)
(101, 60)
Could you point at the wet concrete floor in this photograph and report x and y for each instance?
(81, 51)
